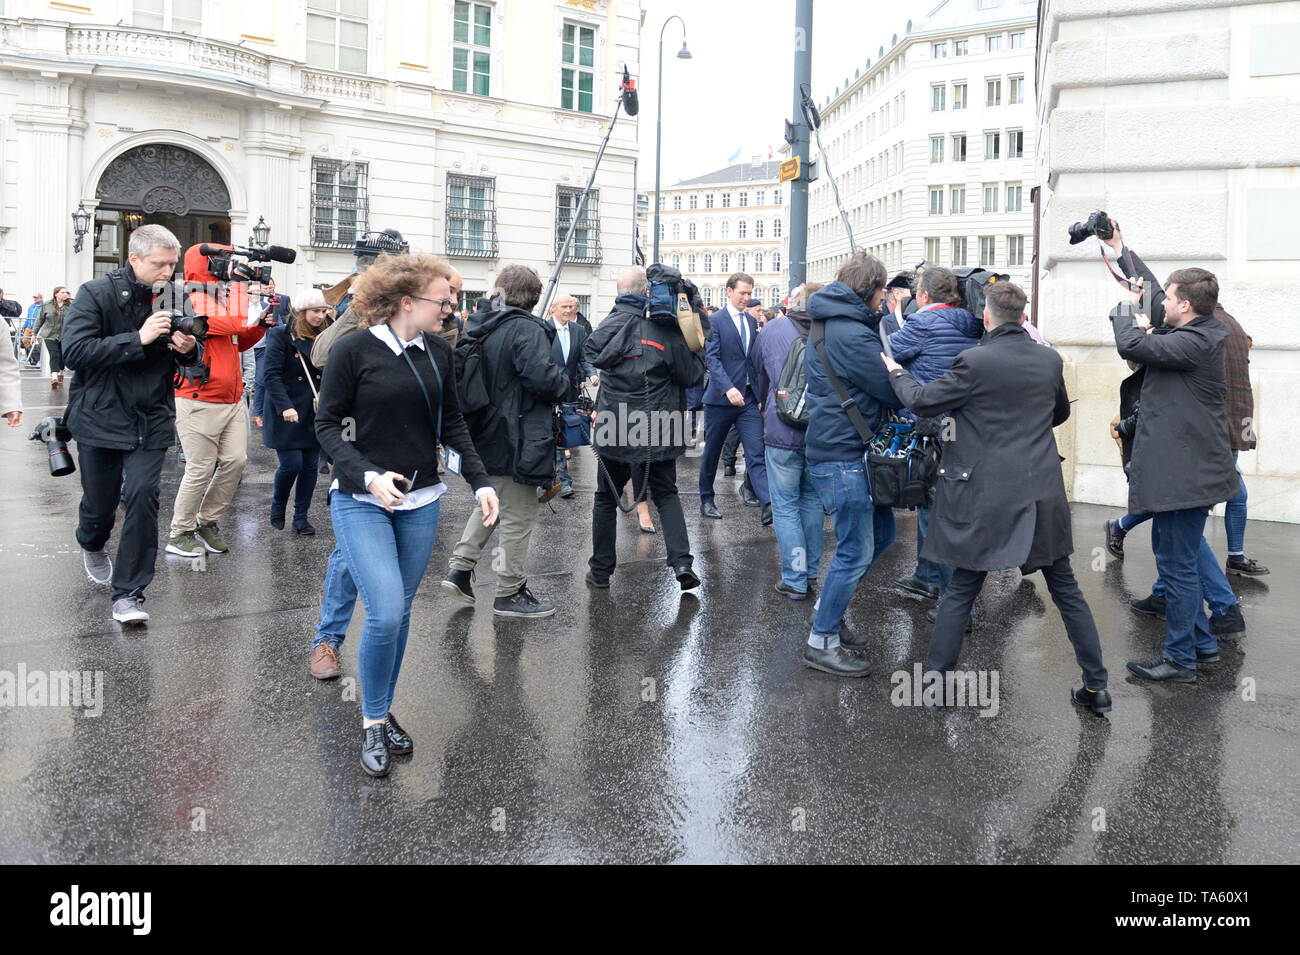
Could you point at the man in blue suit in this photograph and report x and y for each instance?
(566, 351)
(732, 395)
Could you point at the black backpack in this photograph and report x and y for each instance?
(792, 387)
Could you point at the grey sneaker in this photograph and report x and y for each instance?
(98, 567)
(211, 538)
(185, 545)
(130, 611)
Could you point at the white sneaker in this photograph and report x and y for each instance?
(129, 611)
(98, 566)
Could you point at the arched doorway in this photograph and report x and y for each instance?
(158, 183)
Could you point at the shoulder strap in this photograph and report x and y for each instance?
(305, 369)
(419, 380)
(818, 336)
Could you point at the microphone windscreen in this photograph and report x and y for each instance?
(631, 103)
(278, 253)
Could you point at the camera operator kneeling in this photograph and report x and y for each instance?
(121, 411)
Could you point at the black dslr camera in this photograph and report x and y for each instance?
(56, 436)
(1098, 224)
(195, 325)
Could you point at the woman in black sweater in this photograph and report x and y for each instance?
(387, 401)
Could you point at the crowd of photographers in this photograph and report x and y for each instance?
(382, 383)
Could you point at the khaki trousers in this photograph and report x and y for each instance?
(518, 515)
(215, 439)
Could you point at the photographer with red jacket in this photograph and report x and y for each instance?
(210, 415)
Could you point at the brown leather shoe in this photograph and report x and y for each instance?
(325, 662)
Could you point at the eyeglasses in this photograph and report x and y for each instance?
(445, 304)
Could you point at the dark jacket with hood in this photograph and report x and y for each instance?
(121, 396)
(853, 344)
(515, 434)
(770, 352)
(645, 368)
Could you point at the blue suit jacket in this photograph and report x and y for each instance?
(729, 365)
(576, 369)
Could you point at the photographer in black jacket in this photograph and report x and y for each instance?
(122, 413)
(645, 368)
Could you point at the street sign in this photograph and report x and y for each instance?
(790, 169)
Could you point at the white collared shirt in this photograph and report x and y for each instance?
(562, 335)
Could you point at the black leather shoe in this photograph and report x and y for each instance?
(1153, 606)
(785, 590)
(840, 661)
(1246, 567)
(747, 496)
(1230, 624)
(303, 526)
(729, 470)
(851, 638)
(767, 515)
(1115, 539)
(458, 582)
(686, 577)
(399, 741)
(374, 750)
(277, 521)
(594, 581)
(915, 585)
(1207, 657)
(1160, 668)
(521, 604)
(933, 614)
(1096, 700)
(709, 509)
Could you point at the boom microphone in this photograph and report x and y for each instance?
(631, 103)
(278, 253)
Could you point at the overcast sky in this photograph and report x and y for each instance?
(735, 91)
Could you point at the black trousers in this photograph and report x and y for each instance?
(604, 518)
(956, 603)
(102, 474)
(55, 348)
(730, 447)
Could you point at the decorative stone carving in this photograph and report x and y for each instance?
(92, 42)
(171, 178)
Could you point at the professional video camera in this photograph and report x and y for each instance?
(224, 267)
(971, 283)
(56, 436)
(1097, 224)
(387, 242)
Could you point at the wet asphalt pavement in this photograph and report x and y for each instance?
(635, 725)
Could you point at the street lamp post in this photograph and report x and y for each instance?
(682, 54)
(261, 233)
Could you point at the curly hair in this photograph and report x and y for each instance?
(378, 291)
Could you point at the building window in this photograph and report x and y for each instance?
(1014, 196)
(988, 248)
(708, 262)
(959, 250)
(993, 43)
(690, 231)
(676, 261)
(677, 232)
(939, 50)
(990, 197)
(776, 227)
(722, 262)
(708, 200)
(993, 92)
(707, 295)
(1015, 250)
(936, 149)
(992, 144)
(724, 230)
(726, 200)
(1018, 40)
(690, 263)
(471, 51)
(178, 16)
(776, 261)
(338, 202)
(744, 198)
(936, 200)
(958, 205)
(661, 232)
(760, 198)
(932, 250)
(960, 47)
(758, 261)
(471, 216)
(1015, 144)
(938, 98)
(586, 237)
(758, 228)
(742, 228)
(577, 67)
(708, 228)
(693, 201)
(677, 200)
(1016, 90)
(337, 34)
(958, 95)
(959, 147)
(740, 261)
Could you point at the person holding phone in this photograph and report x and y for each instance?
(387, 401)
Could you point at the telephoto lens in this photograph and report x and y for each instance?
(52, 431)
(194, 325)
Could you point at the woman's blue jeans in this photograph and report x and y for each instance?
(386, 554)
